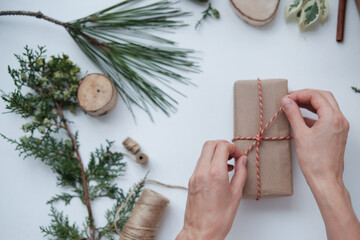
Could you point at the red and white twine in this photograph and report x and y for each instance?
(259, 138)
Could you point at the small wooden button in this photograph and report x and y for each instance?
(141, 158)
(97, 94)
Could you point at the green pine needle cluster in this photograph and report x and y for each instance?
(51, 88)
(120, 40)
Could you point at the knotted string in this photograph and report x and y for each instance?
(259, 138)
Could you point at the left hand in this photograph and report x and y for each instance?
(212, 200)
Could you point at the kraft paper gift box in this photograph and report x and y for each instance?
(275, 165)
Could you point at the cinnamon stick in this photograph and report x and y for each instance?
(341, 21)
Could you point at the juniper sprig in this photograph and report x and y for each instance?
(53, 85)
(357, 90)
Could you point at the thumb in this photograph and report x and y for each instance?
(238, 180)
(293, 113)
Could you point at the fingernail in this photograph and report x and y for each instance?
(243, 160)
(286, 102)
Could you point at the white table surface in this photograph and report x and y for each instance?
(230, 50)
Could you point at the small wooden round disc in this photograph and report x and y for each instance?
(97, 94)
(142, 158)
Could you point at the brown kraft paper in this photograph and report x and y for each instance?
(275, 156)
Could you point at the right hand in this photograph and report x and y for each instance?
(320, 144)
(320, 147)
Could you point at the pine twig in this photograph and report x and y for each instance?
(33, 14)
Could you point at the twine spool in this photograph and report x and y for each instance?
(146, 216)
(141, 158)
(131, 145)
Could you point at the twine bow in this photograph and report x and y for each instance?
(259, 138)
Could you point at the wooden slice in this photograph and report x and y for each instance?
(256, 12)
(97, 94)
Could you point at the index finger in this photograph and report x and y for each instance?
(314, 98)
(207, 154)
(225, 151)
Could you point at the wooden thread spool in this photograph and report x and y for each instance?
(142, 158)
(134, 148)
(146, 216)
(97, 94)
(131, 145)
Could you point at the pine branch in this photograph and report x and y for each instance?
(118, 41)
(33, 14)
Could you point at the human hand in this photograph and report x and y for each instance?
(212, 200)
(320, 147)
(320, 144)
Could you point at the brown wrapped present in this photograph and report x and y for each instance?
(268, 147)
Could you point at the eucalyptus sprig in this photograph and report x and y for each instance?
(120, 40)
(53, 85)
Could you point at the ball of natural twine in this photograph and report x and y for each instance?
(146, 216)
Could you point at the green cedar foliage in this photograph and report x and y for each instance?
(51, 88)
(357, 90)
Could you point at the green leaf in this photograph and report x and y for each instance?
(309, 14)
(293, 7)
(324, 10)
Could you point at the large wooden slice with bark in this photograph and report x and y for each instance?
(256, 12)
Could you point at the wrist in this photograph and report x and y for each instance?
(329, 190)
(191, 234)
(326, 184)
(188, 235)
(336, 209)
(331, 196)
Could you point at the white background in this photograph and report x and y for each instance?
(230, 50)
